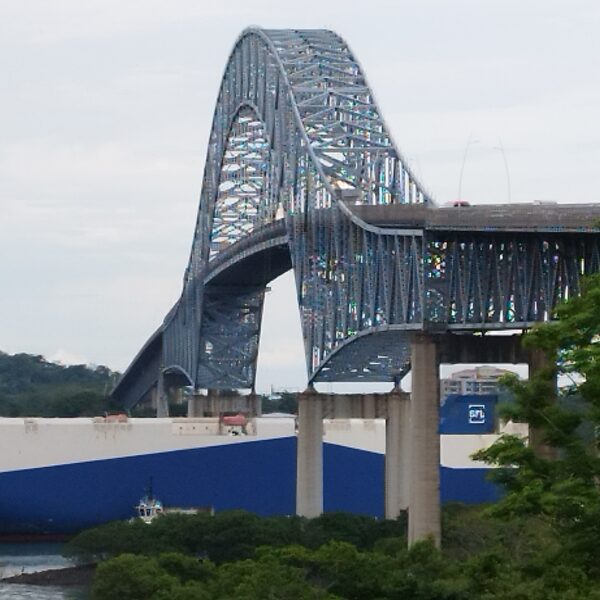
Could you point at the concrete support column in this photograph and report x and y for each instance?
(424, 516)
(213, 402)
(162, 397)
(342, 407)
(196, 405)
(309, 465)
(357, 406)
(538, 363)
(397, 457)
(381, 406)
(255, 404)
(369, 406)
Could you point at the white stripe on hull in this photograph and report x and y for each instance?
(38, 442)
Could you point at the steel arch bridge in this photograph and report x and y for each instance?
(302, 173)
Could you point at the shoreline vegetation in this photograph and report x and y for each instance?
(78, 575)
(336, 556)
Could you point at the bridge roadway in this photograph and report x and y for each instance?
(230, 265)
(523, 217)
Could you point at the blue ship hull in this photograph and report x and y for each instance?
(259, 476)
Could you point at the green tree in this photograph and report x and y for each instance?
(192, 590)
(131, 577)
(186, 568)
(266, 577)
(359, 530)
(32, 386)
(109, 540)
(564, 491)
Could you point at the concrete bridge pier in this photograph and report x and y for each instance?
(255, 404)
(213, 405)
(162, 397)
(309, 467)
(424, 513)
(196, 405)
(313, 407)
(397, 454)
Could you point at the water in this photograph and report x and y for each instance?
(29, 558)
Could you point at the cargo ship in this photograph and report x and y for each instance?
(58, 476)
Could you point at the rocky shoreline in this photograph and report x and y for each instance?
(78, 575)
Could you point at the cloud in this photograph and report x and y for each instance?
(41, 22)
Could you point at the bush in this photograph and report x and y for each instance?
(131, 577)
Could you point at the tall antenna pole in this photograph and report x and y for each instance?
(470, 141)
(501, 148)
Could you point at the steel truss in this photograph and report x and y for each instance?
(297, 141)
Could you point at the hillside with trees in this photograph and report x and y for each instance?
(31, 386)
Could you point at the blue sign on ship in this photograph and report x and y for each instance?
(468, 414)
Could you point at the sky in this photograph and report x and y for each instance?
(106, 107)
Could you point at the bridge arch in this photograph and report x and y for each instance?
(301, 169)
(323, 143)
(176, 376)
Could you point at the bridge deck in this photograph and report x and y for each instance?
(493, 217)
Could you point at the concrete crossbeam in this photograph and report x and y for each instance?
(216, 402)
(469, 348)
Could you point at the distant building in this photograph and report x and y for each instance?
(480, 380)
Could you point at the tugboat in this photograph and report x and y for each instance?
(149, 507)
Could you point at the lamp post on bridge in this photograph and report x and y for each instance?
(470, 142)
